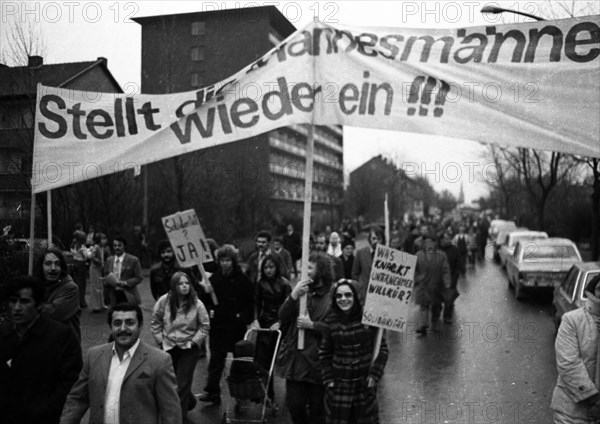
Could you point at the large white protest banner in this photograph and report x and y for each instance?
(533, 85)
(390, 289)
(187, 238)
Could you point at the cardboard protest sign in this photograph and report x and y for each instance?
(390, 289)
(532, 84)
(187, 238)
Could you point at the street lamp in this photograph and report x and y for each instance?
(496, 10)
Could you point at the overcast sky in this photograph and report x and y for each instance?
(82, 31)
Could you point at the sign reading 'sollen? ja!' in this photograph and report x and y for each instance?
(390, 289)
(187, 238)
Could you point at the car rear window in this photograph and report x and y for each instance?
(588, 278)
(525, 239)
(536, 252)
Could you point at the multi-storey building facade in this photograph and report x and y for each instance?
(238, 187)
(370, 182)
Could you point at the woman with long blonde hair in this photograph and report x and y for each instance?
(180, 325)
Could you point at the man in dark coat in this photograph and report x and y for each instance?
(61, 294)
(40, 359)
(361, 268)
(432, 277)
(453, 256)
(229, 319)
(292, 242)
(160, 274)
(347, 258)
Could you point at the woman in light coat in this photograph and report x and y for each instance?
(576, 398)
(180, 325)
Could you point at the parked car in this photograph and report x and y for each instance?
(569, 294)
(500, 239)
(508, 247)
(496, 225)
(540, 264)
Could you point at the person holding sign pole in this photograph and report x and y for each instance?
(300, 368)
(432, 278)
(346, 353)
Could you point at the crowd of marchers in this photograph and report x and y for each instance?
(333, 378)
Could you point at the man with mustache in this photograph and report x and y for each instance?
(61, 297)
(126, 273)
(126, 381)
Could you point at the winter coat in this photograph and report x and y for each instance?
(432, 276)
(269, 297)
(576, 348)
(37, 372)
(62, 303)
(187, 329)
(235, 311)
(345, 359)
(303, 365)
(453, 256)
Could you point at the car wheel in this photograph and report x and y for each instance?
(519, 292)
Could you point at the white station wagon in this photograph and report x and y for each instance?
(512, 238)
(540, 264)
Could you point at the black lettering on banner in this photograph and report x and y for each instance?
(54, 117)
(419, 89)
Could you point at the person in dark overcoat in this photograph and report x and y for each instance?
(40, 358)
(346, 352)
(432, 278)
(229, 319)
(453, 256)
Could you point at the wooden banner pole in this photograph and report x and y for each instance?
(49, 215)
(386, 213)
(308, 175)
(31, 231)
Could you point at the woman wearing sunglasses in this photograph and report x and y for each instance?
(346, 356)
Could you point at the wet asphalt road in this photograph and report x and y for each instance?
(495, 364)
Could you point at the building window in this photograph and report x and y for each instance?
(198, 28)
(195, 80)
(197, 54)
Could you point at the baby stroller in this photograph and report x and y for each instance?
(251, 375)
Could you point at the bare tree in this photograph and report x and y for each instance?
(594, 166)
(22, 40)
